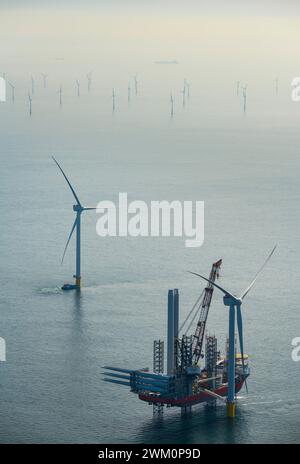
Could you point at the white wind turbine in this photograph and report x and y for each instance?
(235, 304)
(78, 209)
(172, 104)
(89, 80)
(78, 87)
(113, 96)
(60, 95)
(30, 103)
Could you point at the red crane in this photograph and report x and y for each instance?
(205, 304)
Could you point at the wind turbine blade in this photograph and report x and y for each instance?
(215, 285)
(240, 332)
(257, 274)
(69, 183)
(88, 208)
(69, 238)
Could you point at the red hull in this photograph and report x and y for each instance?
(189, 400)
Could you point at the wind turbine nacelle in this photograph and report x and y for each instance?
(77, 208)
(229, 301)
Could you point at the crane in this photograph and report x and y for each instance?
(198, 336)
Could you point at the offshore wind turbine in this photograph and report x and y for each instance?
(30, 103)
(60, 95)
(78, 87)
(245, 98)
(78, 209)
(187, 87)
(135, 84)
(12, 92)
(172, 104)
(235, 304)
(128, 92)
(183, 94)
(113, 96)
(89, 80)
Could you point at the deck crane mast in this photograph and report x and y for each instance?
(198, 336)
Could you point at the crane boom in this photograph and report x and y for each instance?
(205, 304)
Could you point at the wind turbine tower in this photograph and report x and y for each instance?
(78, 209)
(172, 104)
(78, 88)
(89, 81)
(234, 303)
(245, 98)
(113, 96)
(135, 84)
(60, 96)
(30, 104)
(187, 87)
(128, 92)
(183, 91)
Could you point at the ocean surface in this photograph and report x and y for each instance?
(245, 167)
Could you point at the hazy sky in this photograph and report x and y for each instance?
(210, 39)
(244, 7)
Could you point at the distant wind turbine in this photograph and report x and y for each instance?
(78, 88)
(128, 92)
(245, 98)
(89, 80)
(172, 104)
(30, 104)
(113, 96)
(183, 91)
(187, 87)
(135, 84)
(78, 209)
(60, 95)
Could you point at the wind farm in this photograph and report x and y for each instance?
(187, 355)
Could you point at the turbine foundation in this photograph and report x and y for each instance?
(230, 409)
